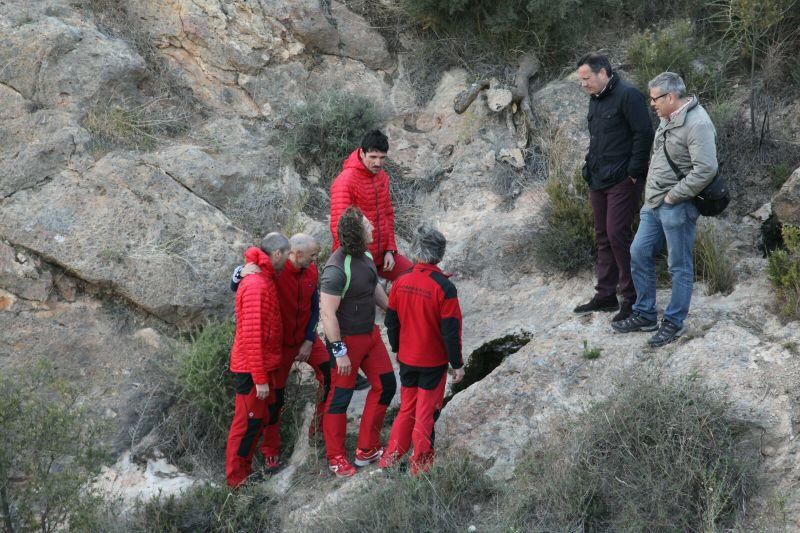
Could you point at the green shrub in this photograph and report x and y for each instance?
(195, 429)
(675, 48)
(591, 353)
(657, 455)
(480, 33)
(778, 174)
(783, 271)
(325, 129)
(449, 498)
(207, 508)
(566, 243)
(48, 453)
(712, 261)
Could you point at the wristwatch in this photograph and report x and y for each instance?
(338, 349)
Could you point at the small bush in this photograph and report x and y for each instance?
(713, 262)
(195, 429)
(123, 123)
(778, 174)
(591, 353)
(325, 129)
(48, 453)
(403, 191)
(675, 48)
(566, 243)
(449, 498)
(783, 271)
(657, 455)
(207, 508)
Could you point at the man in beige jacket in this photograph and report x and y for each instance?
(687, 136)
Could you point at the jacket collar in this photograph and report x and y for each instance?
(609, 88)
(289, 267)
(678, 120)
(427, 267)
(256, 255)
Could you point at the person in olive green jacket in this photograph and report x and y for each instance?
(669, 216)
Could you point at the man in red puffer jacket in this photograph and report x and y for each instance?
(364, 184)
(256, 354)
(298, 296)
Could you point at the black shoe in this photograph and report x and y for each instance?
(598, 304)
(667, 333)
(625, 310)
(361, 382)
(635, 322)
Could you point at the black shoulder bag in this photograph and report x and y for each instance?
(713, 199)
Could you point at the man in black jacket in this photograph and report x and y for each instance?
(621, 134)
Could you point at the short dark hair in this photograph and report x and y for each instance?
(351, 231)
(273, 242)
(375, 141)
(595, 62)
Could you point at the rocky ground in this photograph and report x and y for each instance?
(106, 254)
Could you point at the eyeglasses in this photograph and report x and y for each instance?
(654, 98)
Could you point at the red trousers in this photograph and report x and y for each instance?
(421, 396)
(320, 362)
(401, 266)
(248, 421)
(368, 353)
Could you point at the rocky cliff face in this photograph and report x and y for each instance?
(105, 254)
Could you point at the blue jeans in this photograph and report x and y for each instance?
(673, 226)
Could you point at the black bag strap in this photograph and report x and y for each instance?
(672, 164)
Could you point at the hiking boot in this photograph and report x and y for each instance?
(271, 464)
(361, 382)
(340, 466)
(625, 310)
(367, 457)
(667, 333)
(598, 304)
(635, 322)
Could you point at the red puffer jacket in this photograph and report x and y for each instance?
(356, 185)
(295, 291)
(257, 344)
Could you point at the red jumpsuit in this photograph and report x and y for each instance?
(299, 302)
(423, 324)
(255, 358)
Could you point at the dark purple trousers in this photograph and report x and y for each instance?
(614, 209)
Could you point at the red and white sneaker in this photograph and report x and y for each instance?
(340, 466)
(367, 457)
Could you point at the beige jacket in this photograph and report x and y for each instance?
(691, 143)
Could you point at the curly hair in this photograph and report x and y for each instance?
(351, 231)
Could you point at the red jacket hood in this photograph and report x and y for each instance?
(257, 256)
(353, 162)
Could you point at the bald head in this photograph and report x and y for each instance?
(304, 250)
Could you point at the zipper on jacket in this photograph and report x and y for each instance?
(377, 215)
(297, 312)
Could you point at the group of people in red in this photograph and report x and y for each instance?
(280, 298)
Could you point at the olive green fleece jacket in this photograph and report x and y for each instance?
(691, 143)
